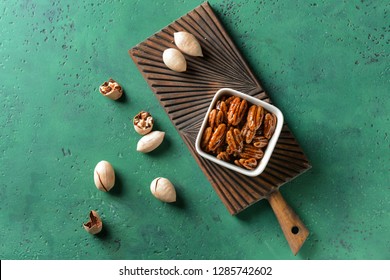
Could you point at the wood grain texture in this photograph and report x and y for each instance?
(186, 96)
(293, 228)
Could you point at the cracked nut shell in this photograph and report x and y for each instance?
(104, 176)
(95, 224)
(111, 89)
(143, 123)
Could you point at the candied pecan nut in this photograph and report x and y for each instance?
(259, 141)
(237, 110)
(247, 133)
(223, 156)
(234, 140)
(222, 107)
(218, 137)
(230, 151)
(269, 125)
(215, 118)
(249, 163)
(212, 118)
(219, 119)
(221, 148)
(255, 117)
(229, 100)
(250, 151)
(206, 138)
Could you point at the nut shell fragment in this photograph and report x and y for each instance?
(95, 224)
(111, 89)
(187, 43)
(163, 190)
(143, 123)
(150, 141)
(104, 176)
(174, 60)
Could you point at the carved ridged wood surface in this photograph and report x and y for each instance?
(186, 96)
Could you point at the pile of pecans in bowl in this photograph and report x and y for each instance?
(238, 132)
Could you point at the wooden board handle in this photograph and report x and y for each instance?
(293, 228)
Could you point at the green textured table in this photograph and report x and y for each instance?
(325, 64)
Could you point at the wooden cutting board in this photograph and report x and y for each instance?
(186, 96)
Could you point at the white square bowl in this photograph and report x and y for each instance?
(271, 143)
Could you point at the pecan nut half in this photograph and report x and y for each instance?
(259, 141)
(215, 118)
(237, 110)
(223, 156)
(249, 163)
(269, 125)
(206, 138)
(250, 151)
(255, 117)
(212, 118)
(222, 107)
(234, 140)
(218, 137)
(219, 119)
(247, 133)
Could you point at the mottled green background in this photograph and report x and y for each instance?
(324, 63)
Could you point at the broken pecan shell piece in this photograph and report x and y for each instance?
(111, 89)
(143, 123)
(95, 224)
